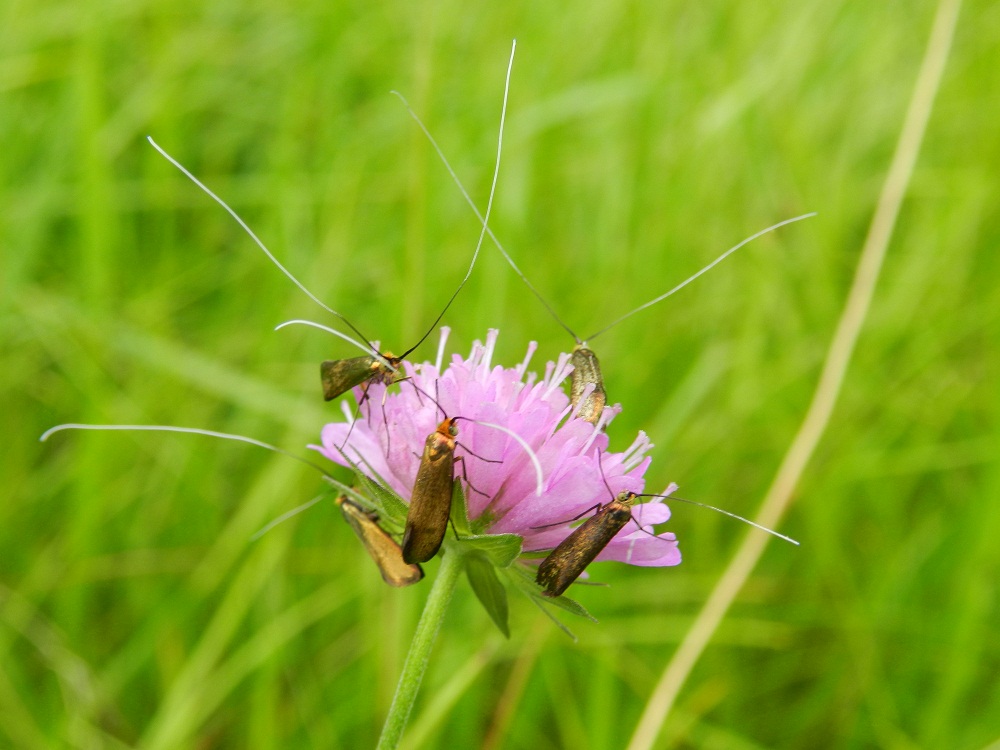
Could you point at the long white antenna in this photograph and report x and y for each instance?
(707, 268)
(335, 332)
(489, 204)
(725, 513)
(253, 236)
(189, 430)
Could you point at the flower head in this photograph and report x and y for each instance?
(502, 496)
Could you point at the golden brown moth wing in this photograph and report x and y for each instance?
(382, 548)
(587, 370)
(430, 503)
(574, 553)
(340, 375)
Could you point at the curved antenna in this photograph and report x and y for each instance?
(418, 389)
(600, 465)
(707, 268)
(539, 477)
(188, 430)
(367, 349)
(725, 513)
(489, 204)
(253, 236)
(475, 210)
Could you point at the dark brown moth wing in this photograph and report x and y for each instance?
(382, 548)
(587, 370)
(340, 375)
(430, 504)
(574, 553)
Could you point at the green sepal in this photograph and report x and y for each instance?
(390, 505)
(501, 549)
(490, 592)
(459, 510)
(524, 579)
(380, 498)
(555, 620)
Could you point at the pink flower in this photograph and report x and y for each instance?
(386, 442)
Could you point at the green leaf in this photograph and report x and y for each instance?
(570, 605)
(391, 505)
(554, 619)
(501, 549)
(522, 577)
(483, 579)
(459, 510)
(384, 501)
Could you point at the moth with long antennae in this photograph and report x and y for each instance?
(381, 547)
(572, 555)
(587, 391)
(434, 486)
(567, 561)
(339, 376)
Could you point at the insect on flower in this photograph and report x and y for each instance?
(506, 498)
(382, 548)
(572, 555)
(430, 503)
(567, 561)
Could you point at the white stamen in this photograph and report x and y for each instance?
(557, 423)
(636, 452)
(445, 330)
(523, 367)
(348, 413)
(491, 342)
(598, 430)
(588, 389)
(631, 547)
(555, 377)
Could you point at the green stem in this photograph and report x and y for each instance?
(420, 649)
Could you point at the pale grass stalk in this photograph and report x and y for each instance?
(779, 495)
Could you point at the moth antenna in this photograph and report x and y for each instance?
(253, 236)
(707, 268)
(285, 516)
(432, 398)
(475, 209)
(189, 430)
(600, 465)
(445, 330)
(726, 513)
(489, 204)
(367, 349)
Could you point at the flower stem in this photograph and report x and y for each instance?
(420, 649)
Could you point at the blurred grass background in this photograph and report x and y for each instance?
(643, 139)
